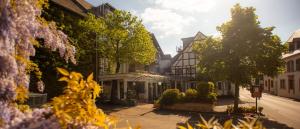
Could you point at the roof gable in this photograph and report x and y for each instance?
(187, 43)
(296, 34)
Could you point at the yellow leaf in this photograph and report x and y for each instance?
(64, 79)
(227, 124)
(63, 71)
(181, 127)
(189, 126)
(90, 77)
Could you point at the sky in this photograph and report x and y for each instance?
(171, 20)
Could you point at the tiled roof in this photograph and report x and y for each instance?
(157, 45)
(85, 4)
(296, 34)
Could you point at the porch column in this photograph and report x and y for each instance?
(125, 88)
(118, 87)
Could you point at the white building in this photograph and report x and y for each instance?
(287, 84)
(146, 82)
(183, 65)
(184, 68)
(224, 88)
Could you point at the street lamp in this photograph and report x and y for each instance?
(159, 83)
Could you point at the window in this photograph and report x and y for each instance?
(290, 66)
(297, 44)
(291, 82)
(298, 65)
(266, 83)
(219, 85)
(291, 47)
(178, 71)
(131, 68)
(299, 84)
(282, 84)
(272, 83)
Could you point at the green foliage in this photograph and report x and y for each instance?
(245, 50)
(206, 91)
(212, 97)
(203, 93)
(169, 97)
(244, 109)
(125, 39)
(191, 95)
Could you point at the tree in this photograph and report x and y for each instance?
(126, 40)
(245, 50)
(122, 38)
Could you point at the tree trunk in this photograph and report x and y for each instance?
(236, 97)
(118, 67)
(114, 88)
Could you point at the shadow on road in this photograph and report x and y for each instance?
(195, 118)
(109, 108)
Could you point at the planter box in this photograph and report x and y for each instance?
(195, 107)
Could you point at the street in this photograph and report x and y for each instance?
(283, 110)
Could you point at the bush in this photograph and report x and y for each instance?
(169, 97)
(131, 102)
(191, 95)
(182, 97)
(212, 97)
(242, 109)
(206, 91)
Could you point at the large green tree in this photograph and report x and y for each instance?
(245, 50)
(121, 38)
(126, 40)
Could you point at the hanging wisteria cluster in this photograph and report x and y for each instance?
(20, 26)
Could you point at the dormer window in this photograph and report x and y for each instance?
(291, 47)
(297, 43)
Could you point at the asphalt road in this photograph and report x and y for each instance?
(283, 110)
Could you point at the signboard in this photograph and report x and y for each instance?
(256, 91)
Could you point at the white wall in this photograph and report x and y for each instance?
(277, 90)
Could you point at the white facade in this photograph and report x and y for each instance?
(184, 64)
(287, 84)
(184, 68)
(224, 88)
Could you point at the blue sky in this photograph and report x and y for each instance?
(171, 20)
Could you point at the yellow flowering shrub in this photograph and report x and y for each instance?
(213, 123)
(22, 94)
(76, 107)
